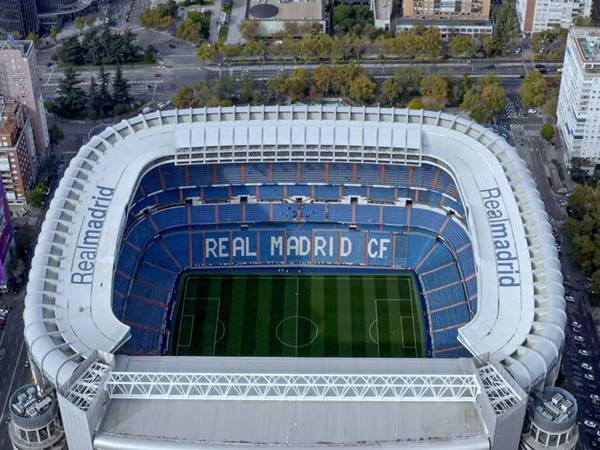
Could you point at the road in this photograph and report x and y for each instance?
(183, 67)
(13, 354)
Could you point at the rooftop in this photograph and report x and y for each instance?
(24, 46)
(306, 10)
(555, 407)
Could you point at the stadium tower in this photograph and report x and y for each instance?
(295, 276)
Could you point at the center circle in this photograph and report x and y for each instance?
(297, 341)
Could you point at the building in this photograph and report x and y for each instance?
(18, 16)
(578, 112)
(19, 80)
(17, 149)
(6, 240)
(299, 191)
(35, 422)
(58, 12)
(540, 15)
(276, 15)
(450, 26)
(551, 421)
(462, 17)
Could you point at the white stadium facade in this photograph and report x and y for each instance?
(471, 395)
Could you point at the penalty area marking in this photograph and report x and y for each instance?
(375, 323)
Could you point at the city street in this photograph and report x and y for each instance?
(13, 354)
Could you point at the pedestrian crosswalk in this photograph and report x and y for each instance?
(512, 113)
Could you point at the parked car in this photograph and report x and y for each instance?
(576, 324)
(590, 423)
(589, 377)
(583, 352)
(578, 338)
(586, 366)
(569, 298)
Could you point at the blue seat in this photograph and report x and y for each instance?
(327, 193)
(271, 192)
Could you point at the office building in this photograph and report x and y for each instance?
(59, 11)
(18, 16)
(19, 80)
(541, 15)
(578, 110)
(17, 149)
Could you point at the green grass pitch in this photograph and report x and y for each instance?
(298, 315)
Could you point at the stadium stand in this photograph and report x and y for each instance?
(164, 233)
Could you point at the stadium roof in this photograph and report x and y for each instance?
(520, 317)
(461, 423)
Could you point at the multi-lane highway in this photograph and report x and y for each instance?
(172, 72)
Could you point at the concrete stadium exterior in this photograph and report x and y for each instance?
(112, 401)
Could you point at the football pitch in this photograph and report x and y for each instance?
(297, 315)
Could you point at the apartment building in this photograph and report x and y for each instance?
(578, 110)
(19, 81)
(17, 148)
(540, 15)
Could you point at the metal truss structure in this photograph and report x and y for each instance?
(83, 391)
(500, 393)
(292, 387)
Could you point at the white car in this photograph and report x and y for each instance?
(586, 366)
(576, 324)
(595, 396)
(532, 111)
(569, 298)
(589, 423)
(589, 377)
(583, 352)
(578, 338)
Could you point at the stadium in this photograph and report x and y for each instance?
(298, 276)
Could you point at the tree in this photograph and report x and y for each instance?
(54, 31)
(415, 103)
(547, 132)
(534, 89)
(35, 38)
(72, 52)
(106, 101)
(160, 18)
(79, 22)
(56, 134)
(459, 89)
(434, 89)
(150, 54)
(250, 29)
(94, 101)
(361, 88)
(194, 27)
(185, 98)
(35, 197)
(485, 99)
(462, 45)
(71, 98)
(247, 88)
(209, 52)
(351, 18)
(490, 45)
(120, 89)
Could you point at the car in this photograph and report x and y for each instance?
(146, 110)
(559, 70)
(586, 366)
(532, 111)
(570, 298)
(590, 423)
(518, 50)
(540, 66)
(26, 363)
(583, 352)
(595, 396)
(578, 338)
(589, 377)
(172, 46)
(576, 324)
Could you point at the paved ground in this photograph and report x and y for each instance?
(238, 14)
(13, 354)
